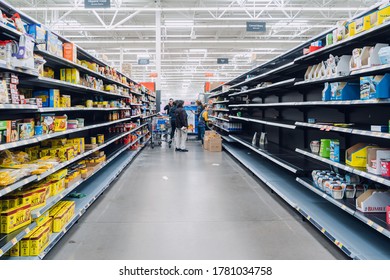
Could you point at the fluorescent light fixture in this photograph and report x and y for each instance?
(179, 23)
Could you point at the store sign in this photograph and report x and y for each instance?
(255, 26)
(143, 61)
(222, 60)
(97, 4)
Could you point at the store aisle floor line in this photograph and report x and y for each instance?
(196, 205)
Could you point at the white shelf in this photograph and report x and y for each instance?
(221, 119)
(40, 138)
(288, 126)
(51, 109)
(222, 110)
(326, 127)
(365, 174)
(221, 102)
(272, 86)
(317, 103)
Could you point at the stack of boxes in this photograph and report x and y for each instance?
(212, 141)
(10, 86)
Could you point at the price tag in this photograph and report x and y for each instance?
(14, 241)
(1, 252)
(380, 229)
(370, 223)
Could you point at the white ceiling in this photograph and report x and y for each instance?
(194, 33)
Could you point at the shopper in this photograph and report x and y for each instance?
(202, 122)
(181, 127)
(199, 109)
(172, 117)
(168, 106)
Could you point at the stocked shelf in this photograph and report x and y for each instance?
(40, 138)
(222, 110)
(330, 127)
(93, 186)
(371, 70)
(46, 110)
(272, 87)
(220, 93)
(61, 62)
(346, 45)
(353, 237)
(7, 241)
(60, 166)
(11, 32)
(17, 107)
(377, 221)
(136, 104)
(224, 129)
(362, 173)
(269, 123)
(282, 157)
(48, 82)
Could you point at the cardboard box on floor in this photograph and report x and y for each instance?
(212, 141)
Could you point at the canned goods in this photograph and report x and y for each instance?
(93, 140)
(100, 139)
(385, 168)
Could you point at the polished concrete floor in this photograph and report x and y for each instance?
(195, 205)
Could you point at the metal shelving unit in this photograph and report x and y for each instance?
(377, 221)
(221, 102)
(221, 119)
(93, 186)
(40, 138)
(7, 241)
(354, 238)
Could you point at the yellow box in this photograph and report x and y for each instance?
(15, 218)
(75, 76)
(24, 244)
(54, 142)
(57, 186)
(63, 74)
(39, 241)
(35, 197)
(59, 219)
(33, 152)
(66, 101)
(356, 155)
(60, 123)
(58, 175)
(352, 29)
(8, 203)
(382, 15)
(15, 250)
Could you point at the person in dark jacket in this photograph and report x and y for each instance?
(168, 107)
(199, 110)
(172, 117)
(181, 127)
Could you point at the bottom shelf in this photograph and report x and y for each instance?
(354, 238)
(93, 188)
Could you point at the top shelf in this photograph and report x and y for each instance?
(344, 47)
(275, 86)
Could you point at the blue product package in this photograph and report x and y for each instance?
(345, 91)
(51, 43)
(326, 93)
(335, 150)
(375, 87)
(49, 97)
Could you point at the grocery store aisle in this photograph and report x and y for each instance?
(196, 205)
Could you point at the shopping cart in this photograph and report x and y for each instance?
(161, 127)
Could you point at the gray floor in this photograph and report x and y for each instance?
(196, 205)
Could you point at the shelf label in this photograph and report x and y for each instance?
(370, 223)
(380, 229)
(14, 241)
(323, 230)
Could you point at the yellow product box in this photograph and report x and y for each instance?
(39, 240)
(8, 203)
(44, 153)
(57, 186)
(356, 155)
(33, 152)
(79, 143)
(75, 76)
(24, 244)
(35, 197)
(68, 75)
(15, 250)
(382, 15)
(65, 101)
(63, 74)
(60, 123)
(58, 175)
(59, 219)
(108, 87)
(24, 197)
(54, 142)
(15, 218)
(100, 159)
